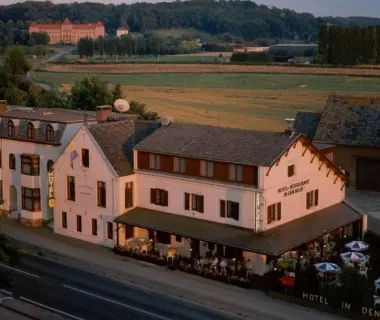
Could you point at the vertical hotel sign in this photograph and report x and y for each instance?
(51, 188)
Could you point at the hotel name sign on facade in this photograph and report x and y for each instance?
(293, 188)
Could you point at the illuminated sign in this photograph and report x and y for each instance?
(293, 188)
(51, 189)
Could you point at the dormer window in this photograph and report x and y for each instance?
(11, 129)
(31, 132)
(49, 133)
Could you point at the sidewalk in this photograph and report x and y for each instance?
(96, 259)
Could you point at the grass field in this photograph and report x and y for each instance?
(253, 101)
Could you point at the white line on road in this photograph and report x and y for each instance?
(6, 292)
(116, 302)
(18, 270)
(51, 309)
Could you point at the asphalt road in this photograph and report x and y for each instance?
(89, 296)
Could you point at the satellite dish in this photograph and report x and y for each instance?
(121, 105)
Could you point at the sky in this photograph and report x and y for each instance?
(343, 8)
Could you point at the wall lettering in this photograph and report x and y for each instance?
(293, 188)
(51, 189)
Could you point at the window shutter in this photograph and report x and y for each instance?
(201, 198)
(187, 201)
(152, 196)
(166, 198)
(279, 211)
(222, 208)
(269, 218)
(308, 200)
(316, 197)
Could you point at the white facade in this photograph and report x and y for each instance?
(86, 194)
(122, 31)
(13, 180)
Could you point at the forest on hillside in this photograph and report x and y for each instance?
(240, 18)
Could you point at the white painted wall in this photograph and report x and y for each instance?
(85, 203)
(16, 179)
(294, 206)
(213, 192)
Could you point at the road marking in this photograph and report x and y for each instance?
(6, 292)
(19, 270)
(50, 308)
(80, 268)
(116, 302)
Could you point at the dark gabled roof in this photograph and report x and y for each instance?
(218, 143)
(116, 139)
(271, 242)
(306, 123)
(348, 120)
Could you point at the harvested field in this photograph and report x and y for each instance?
(205, 68)
(254, 109)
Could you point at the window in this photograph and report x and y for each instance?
(312, 199)
(31, 132)
(274, 212)
(85, 158)
(31, 199)
(128, 232)
(94, 227)
(109, 230)
(129, 195)
(163, 237)
(1, 163)
(49, 133)
(178, 239)
(1, 190)
(207, 168)
(291, 172)
(79, 223)
(179, 165)
(30, 165)
(64, 220)
(71, 188)
(12, 162)
(101, 194)
(11, 129)
(197, 202)
(229, 209)
(154, 161)
(50, 165)
(159, 197)
(236, 172)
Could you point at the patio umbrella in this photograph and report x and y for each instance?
(377, 283)
(327, 267)
(352, 256)
(357, 246)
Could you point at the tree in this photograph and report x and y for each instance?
(16, 61)
(34, 95)
(117, 92)
(89, 93)
(15, 96)
(51, 99)
(136, 107)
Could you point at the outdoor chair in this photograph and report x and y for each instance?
(363, 272)
(223, 265)
(214, 265)
(376, 302)
(197, 264)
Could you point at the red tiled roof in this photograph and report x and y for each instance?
(67, 21)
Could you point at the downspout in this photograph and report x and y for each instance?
(114, 198)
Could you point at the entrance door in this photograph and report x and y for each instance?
(367, 174)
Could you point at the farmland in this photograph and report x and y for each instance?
(256, 101)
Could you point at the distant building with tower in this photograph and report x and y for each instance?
(121, 32)
(67, 32)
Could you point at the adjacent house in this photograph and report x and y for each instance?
(350, 126)
(94, 180)
(235, 193)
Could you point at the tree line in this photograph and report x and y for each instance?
(241, 18)
(348, 46)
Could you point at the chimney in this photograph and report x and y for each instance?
(290, 126)
(3, 105)
(166, 120)
(103, 112)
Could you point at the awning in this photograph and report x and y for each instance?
(272, 242)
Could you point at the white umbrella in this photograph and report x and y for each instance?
(356, 246)
(327, 267)
(352, 256)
